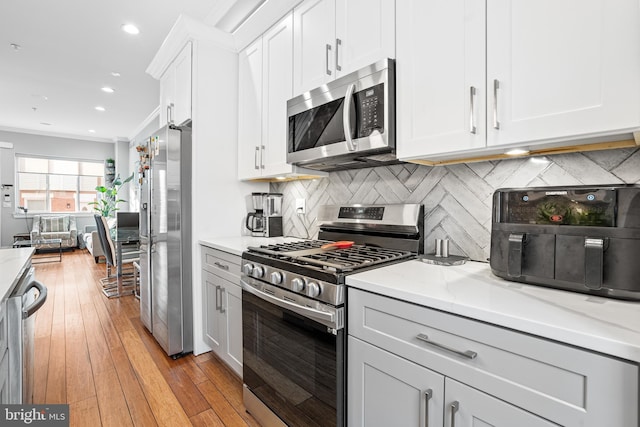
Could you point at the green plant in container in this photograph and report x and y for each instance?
(108, 203)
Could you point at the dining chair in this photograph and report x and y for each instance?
(110, 281)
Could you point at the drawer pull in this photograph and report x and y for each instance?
(427, 398)
(454, 408)
(468, 354)
(222, 266)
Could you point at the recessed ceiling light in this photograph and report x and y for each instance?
(115, 74)
(517, 152)
(15, 46)
(92, 131)
(99, 108)
(107, 89)
(45, 123)
(130, 29)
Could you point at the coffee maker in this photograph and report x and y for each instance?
(256, 220)
(273, 214)
(266, 220)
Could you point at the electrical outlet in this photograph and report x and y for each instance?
(301, 206)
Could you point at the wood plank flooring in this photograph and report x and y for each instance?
(94, 354)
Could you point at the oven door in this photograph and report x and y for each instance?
(293, 364)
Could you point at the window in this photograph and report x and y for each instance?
(53, 185)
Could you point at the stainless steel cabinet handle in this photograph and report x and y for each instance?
(472, 119)
(468, 354)
(222, 266)
(496, 86)
(255, 158)
(427, 397)
(170, 113)
(262, 157)
(218, 299)
(338, 44)
(454, 408)
(222, 308)
(346, 117)
(326, 58)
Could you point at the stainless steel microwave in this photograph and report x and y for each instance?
(348, 123)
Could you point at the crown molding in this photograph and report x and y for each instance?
(186, 29)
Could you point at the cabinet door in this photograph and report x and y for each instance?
(250, 111)
(564, 69)
(440, 76)
(365, 33)
(167, 94)
(277, 88)
(466, 406)
(386, 390)
(313, 44)
(231, 310)
(182, 65)
(211, 310)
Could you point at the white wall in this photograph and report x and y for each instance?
(24, 143)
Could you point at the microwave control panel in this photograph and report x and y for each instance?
(370, 110)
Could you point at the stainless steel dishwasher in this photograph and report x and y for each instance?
(27, 298)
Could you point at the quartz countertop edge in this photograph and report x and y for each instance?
(471, 290)
(13, 263)
(238, 244)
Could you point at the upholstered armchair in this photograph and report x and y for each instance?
(54, 227)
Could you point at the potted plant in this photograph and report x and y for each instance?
(108, 203)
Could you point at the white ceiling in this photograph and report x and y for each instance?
(69, 49)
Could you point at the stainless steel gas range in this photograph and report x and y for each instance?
(293, 309)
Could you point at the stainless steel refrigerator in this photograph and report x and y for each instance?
(166, 306)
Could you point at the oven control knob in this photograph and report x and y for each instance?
(297, 284)
(276, 277)
(258, 272)
(313, 289)
(247, 269)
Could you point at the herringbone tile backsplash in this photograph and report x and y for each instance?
(457, 198)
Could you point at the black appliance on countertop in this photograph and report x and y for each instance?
(293, 309)
(579, 238)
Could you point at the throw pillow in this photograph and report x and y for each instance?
(54, 224)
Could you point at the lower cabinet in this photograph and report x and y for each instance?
(385, 390)
(412, 365)
(222, 306)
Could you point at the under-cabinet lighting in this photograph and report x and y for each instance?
(517, 152)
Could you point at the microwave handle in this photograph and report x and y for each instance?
(346, 118)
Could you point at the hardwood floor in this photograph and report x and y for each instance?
(94, 354)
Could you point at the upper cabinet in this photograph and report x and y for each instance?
(175, 89)
(265, 85)
(480, 77)
(335, 37)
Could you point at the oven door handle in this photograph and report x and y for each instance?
(323, 317)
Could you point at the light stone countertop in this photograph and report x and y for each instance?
(237, 244)
(601, 324)
(13, 263)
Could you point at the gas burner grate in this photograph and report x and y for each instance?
(310, 254)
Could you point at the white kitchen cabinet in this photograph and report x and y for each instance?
(265, 85)
(222, 305)
(175, 89)
(507, 375)
(250, 111)
(479, 77)
(388, 390)
(335, 37)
